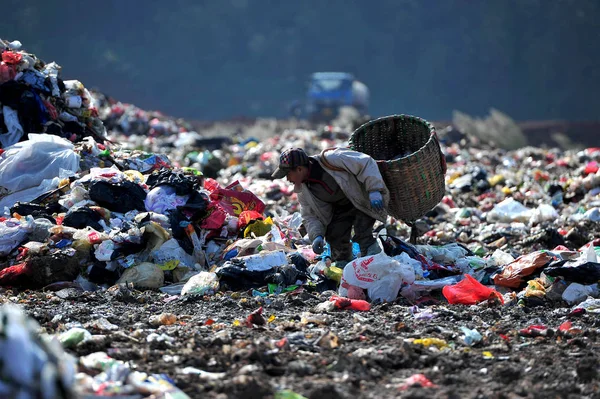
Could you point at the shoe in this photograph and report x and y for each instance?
(373, 249)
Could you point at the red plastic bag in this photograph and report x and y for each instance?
(51, 110)
(591, 167)
(211, 185)
(469, 292)
(246, 217)
(215, 218)
(14, 275)
(354, 304)
(10, 57)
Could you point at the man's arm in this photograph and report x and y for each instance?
(313, 225)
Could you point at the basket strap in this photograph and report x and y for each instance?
(326, 163)
(443, 158)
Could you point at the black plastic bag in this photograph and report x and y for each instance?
(83, 217)
(100, 275)
(118, 197)
(235, 275)
(286, 275)
(575, 272)
(36, 210)
(196, 205)
(182, 183)
(300, 263)
(176, 217)
(393, 246)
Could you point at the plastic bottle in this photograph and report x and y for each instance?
(318, 270)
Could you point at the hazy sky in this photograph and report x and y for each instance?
(533, 59)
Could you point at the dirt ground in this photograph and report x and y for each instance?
(336, 354)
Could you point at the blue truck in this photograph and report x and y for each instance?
(327, 93)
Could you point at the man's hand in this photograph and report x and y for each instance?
(376, 200)
(318, 245)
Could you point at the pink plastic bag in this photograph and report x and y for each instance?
(7, 72)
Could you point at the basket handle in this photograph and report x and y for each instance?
(326, 162)
(443, 158)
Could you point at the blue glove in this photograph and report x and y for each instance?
(376, 200)
(318, 245)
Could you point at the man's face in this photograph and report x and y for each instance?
(297, 176)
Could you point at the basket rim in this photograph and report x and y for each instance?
(429, 125)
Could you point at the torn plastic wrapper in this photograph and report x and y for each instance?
(512, 274)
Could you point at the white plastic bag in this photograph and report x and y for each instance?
(28, 194)
(509, 211)
(170, 255)
(43, 156)
(380, 275)
(51, 70)
(265, 260)
(15, 130)
(500, 258)
(144, 275)
(445, 255)
(105, 250)
(543, 213)
(203, 283)
(163, 198)
(411, 268)
(592, 214)
(576, 293)
(13, 233)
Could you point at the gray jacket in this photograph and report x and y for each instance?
(357, 174)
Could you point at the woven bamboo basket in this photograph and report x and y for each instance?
(410, 159)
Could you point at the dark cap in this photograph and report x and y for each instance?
(288, 160)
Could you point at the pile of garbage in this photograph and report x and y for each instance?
(84, 208)
(128, 120)
(35, 99)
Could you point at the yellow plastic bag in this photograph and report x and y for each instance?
(258, 228)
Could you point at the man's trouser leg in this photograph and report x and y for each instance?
(338, 235)
(363, 234)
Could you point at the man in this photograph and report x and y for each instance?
(338, 190)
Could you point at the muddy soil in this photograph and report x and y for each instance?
(336, 354)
